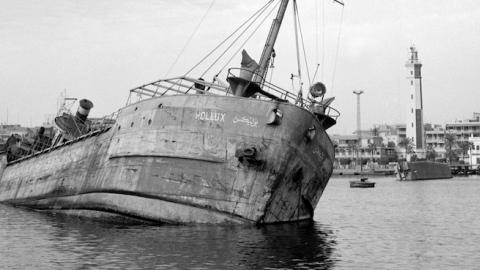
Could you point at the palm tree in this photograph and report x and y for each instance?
(464, 146)
(372, 147)
(408, 145)
(450, 143)
(352, 146)
(431, 153)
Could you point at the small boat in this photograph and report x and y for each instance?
(362, 183)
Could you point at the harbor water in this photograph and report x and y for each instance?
(396, 225)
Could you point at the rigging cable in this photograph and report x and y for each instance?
(248, 38)
(317, 45)
(261, 10)
(316, 32)
(338, 46)
(190, 38)
(303, 48)
(316, 41)
(323, 40)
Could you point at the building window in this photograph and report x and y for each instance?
(412, 110)
(411, 82)
(411, 96)
(412, 124)
(478, 147)
(411, 72)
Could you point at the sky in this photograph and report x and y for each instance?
(101, 49)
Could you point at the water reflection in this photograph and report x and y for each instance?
(396, 225)
(305, 245)
(63, 241)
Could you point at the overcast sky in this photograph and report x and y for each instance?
(100, 49)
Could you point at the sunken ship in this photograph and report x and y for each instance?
(188, 151)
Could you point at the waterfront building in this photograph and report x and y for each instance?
(414, 124)
(474, 152)
(466, 132)
(348, 149)
(435, 139)
(371, 151)
(464, 129)
(391, 134)
(388, 137)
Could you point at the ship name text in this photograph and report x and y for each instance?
(210, 116)
(249, 121)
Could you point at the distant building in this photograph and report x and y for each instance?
(372, 150)
(435, 139)
(465, 129)
(387, 138)
(474, 152)
(392, 134)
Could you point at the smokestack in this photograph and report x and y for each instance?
(83, 109)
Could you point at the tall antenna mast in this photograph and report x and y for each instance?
(359, 131)
(272, 37)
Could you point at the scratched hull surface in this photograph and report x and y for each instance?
(176, 159)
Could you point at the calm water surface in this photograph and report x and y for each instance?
(397, 225)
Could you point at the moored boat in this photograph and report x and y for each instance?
(362, 183)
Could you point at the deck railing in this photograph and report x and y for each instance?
(32, 146)
(187, 85)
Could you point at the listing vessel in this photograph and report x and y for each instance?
(188, 151)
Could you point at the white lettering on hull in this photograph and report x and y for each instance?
(210, 116)
(249, 121)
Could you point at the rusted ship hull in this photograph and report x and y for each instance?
(184, 159)
(423, 170)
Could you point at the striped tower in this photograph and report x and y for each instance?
(415, 128)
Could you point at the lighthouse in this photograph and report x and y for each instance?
(415, 127)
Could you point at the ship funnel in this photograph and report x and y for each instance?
(83, 109)
(245, 83)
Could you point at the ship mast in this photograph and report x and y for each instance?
(272, 37)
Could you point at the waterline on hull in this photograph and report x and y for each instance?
(145, 208)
